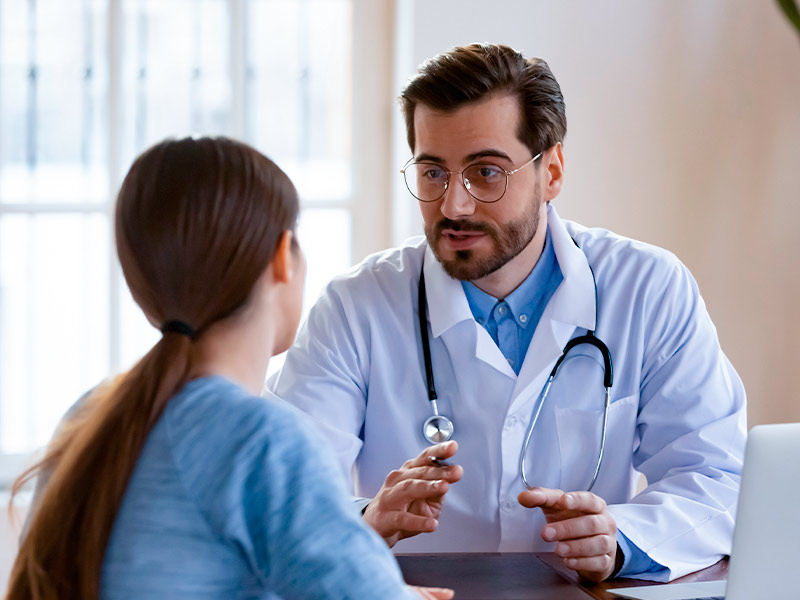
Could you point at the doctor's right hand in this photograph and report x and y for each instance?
(411, 498)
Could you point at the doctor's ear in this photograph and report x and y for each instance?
(553, 161)
(282, 263)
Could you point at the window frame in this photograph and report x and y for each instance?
(369, 205)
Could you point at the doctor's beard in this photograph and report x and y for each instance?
(508, 243)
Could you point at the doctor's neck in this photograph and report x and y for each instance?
(510, 276)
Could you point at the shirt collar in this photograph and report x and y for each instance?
(447, 303)
(480, 303)
(523, 299)
(572, 303)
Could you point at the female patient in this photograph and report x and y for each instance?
(176, 480)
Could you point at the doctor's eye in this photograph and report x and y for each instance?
(431, 173)
(486, 173)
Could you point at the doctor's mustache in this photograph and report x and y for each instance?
(464, 225)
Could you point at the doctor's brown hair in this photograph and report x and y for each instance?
(470, 73)
(198, 221)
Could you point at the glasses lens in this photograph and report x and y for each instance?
(486, 182)
(426, 181)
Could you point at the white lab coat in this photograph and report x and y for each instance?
(677, 406)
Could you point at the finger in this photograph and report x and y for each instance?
(389, 522)
(596, 568)
(414, 489)
(539, 497)
(451, 474)
(433, 593)
(585, 502)
(579, 527)
(443, 451)
(596, 545)
(411, 524)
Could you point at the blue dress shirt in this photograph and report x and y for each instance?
(511, 321)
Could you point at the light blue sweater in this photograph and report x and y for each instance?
(234, 497)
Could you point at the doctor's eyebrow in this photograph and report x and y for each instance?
(486, 153)
(429, 158)
(489, 152)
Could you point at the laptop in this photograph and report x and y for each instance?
(765, 554)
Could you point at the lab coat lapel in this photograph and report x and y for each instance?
(572, 306)
(448, 306)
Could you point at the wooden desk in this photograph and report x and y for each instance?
(518, 576)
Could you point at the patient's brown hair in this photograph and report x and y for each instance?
(197, 223)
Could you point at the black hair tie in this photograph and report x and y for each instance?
(178, 327)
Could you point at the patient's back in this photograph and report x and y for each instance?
(232, 498)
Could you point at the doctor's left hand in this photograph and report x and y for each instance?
(584, 531)
(411, 499)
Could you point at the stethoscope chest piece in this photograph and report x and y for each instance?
(437, 429)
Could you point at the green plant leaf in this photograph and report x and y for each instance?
(791, 11)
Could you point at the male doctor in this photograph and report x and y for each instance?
(508, 284)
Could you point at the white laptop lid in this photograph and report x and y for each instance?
(765, 557)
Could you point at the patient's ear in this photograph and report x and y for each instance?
(282, 264)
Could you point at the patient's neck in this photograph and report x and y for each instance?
(237, 348)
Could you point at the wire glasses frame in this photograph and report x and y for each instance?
(483, 181)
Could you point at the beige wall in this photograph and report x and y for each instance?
(684, 131)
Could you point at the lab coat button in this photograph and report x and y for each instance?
(508, 506)
(510, 422)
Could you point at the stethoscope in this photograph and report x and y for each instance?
(438, 428)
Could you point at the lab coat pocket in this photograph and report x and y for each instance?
(579, 434)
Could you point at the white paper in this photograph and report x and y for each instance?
(674, 591)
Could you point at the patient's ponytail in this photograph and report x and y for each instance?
(197, 223)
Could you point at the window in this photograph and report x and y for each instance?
(88, 84)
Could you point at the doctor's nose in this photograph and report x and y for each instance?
(457, 201)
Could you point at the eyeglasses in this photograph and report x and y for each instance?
(486, 182)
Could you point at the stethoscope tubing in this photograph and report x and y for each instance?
(437, 428)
